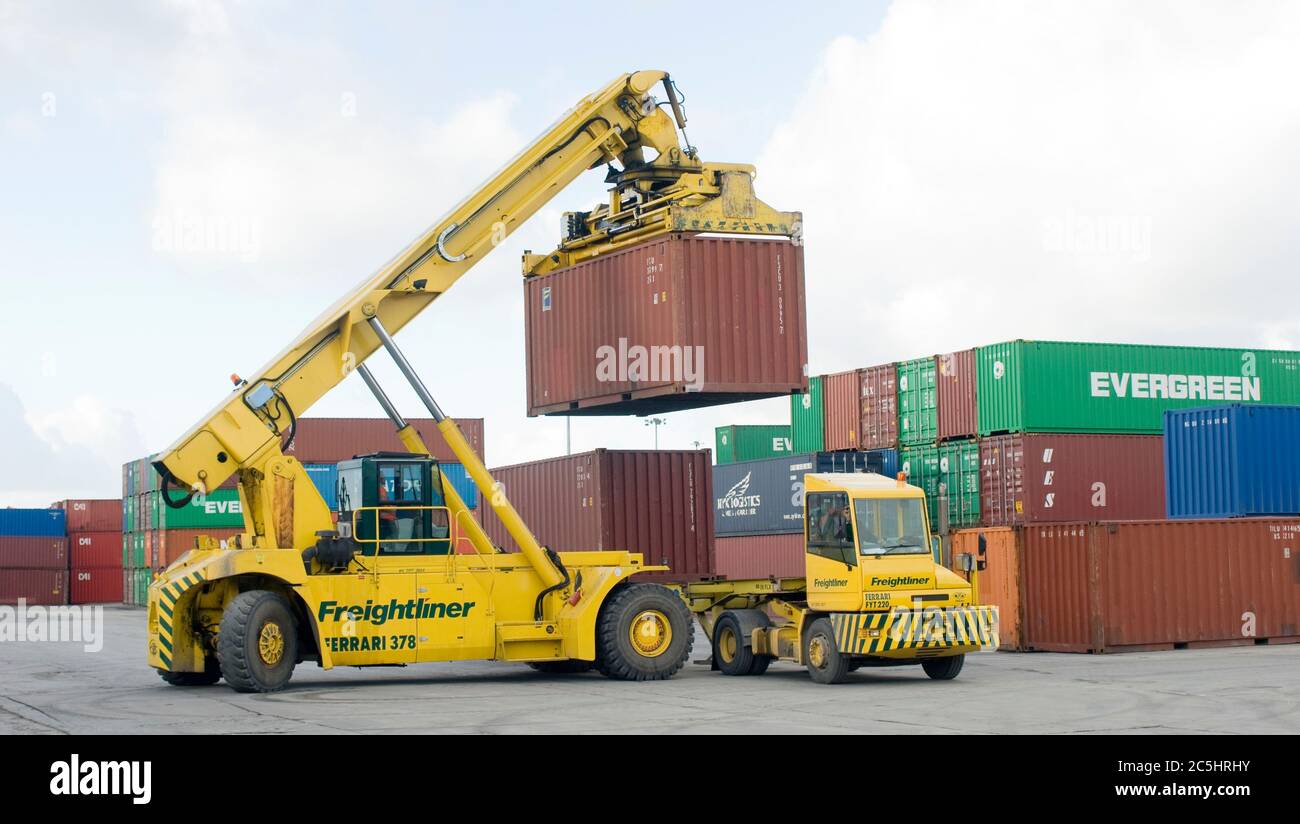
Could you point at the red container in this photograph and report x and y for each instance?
(98, 515)
(760, 556)
(95, 549)
(36, 552)
(96, 585)
(841, 410)
(166, 545)
(330, 440)
(657, 503)
(730, 308)
(878, 388)
(38, 587)
(1028, 479)
(1161, 584)
(954, 376)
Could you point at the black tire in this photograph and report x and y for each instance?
(834, 665)
(944, 669)
(571, 667)
(730, 652)
(239, 646)
(641, 605)
(211, 674)
(760, 665)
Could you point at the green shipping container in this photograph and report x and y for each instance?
(806, 424)
(138, 558)
(220, 509)
(1050, 386)
(921, 465)
(749, 443)
(918, 420)
(126, 551)
(956, 464)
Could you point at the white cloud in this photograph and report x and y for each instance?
(982, 171)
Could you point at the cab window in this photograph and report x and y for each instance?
(830, 526)
(891, 526)
(408, 531)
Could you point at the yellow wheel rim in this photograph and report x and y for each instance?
(727, 645)
(270, 644)
(817, 651)
(650, 633)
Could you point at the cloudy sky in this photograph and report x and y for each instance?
(969, 172)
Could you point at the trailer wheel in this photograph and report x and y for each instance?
(211, 674)
(644, 633)
(258, 644)
(826, 664)
(732, 654)
(944, 669)
(570, 667)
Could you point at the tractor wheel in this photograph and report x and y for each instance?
(258, 644)
(826, 664)
(571, 667)
(732, 654)
(211, 674)
(944, 669)
(644, 633)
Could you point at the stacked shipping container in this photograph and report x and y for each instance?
(751, 442)
(94, 550)
(33, 556)
(1233, 461)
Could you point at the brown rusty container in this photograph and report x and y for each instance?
(955, 395)
(658, 503)
(330, 440)
(841, 410)
(34, 552)
(761, 556)
(1055, 478)
(878, 393)
(95, 549)
(1161, 584)
(999, 583)
(38, 587)
(167, 545)
(680, 322)
(97, 515)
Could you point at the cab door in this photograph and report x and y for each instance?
(831, 556)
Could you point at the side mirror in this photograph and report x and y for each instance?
(936, 548)
(983, 545)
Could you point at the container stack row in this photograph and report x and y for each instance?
(33, 557)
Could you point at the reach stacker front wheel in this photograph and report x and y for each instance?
(258, 645)
(644, 633)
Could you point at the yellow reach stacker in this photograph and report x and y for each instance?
(407, 575)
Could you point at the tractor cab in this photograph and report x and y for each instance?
(392, 504)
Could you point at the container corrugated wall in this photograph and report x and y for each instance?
(95, 585)
(842, 410)
(806, 418)
(955, 382)
(1233, 461)
(1157, 584)
(1052, 478)
(751, 442)
(38, 587)
(761, 556)
(879, 393)
(999, 583)
(959, 470)
(95, 549)
(97, 515)
(1054, 386)
(51, 523)
(918, 422)
(33, 552)
(653, 502)
(738, 301)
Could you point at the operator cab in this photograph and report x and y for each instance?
(393, 504)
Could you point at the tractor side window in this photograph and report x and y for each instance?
(830, 526)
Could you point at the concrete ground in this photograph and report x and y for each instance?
(60, 688)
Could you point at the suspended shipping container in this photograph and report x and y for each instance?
(1050, 478)
(842, 410)
(96, 585)
(653, 502)
(955, 380)
(99, 515)
(38, 587)
(1050, 386)
(761, 556)
(1161, 584)
(765, 497)
(33, 552)
(679, 322)
(330, 440)
(751, 442)
(1232, 461)
(918, 421)
(878, 388)
(806, 418)
(33, 522)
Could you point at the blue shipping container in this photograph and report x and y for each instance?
(326, 476)
(1232, 461)
(766, 497)
(39, 523)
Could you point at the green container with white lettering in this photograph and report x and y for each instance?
(1052, 386)
(219, 509)
(751, 442)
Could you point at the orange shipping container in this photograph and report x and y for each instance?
(841, 410)
(999, 583)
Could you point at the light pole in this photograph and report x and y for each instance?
(656, 423)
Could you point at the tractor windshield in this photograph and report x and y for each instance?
(891, 526)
